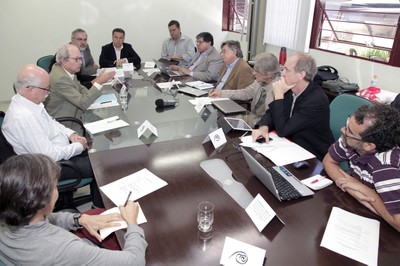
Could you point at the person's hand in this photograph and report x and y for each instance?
(280, 87)
(358, 190)
(104, 76)
(82, 140)
(130, 212)
(93, 223)
(174, 67)
(214, 93)
(119, 62)
(260, 132)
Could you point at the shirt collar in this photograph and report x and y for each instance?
(233, 64)
(72, 76)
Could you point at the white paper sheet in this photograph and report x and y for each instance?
(260, 212)
(236, 252)
(148, 64)
(105, 124)
(279, 150)
(107, 231)
(140, 183)
(205, 100)
(352, 236)
(167, 85)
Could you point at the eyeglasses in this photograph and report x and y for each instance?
(346, 129)
(40, 88)
(81, 39)
(76, 58)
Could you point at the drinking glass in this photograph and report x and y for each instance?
(205, 216)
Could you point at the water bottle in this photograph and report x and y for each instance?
(123, 97)
(282, 57)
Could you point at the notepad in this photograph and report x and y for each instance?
(105, 100)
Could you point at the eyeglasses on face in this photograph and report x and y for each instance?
(40, 88)
(346, 128)
(81, 39)
(76, 58)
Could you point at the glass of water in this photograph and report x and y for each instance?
(205, 216)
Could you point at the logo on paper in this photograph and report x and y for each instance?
(240, 256)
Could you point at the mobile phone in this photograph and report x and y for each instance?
(262, 140)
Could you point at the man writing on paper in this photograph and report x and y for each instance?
(30, 129)
(370, 143)
(300, 110)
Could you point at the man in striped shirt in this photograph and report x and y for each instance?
(370, 143)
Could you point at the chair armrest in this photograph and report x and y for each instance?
(74, 120)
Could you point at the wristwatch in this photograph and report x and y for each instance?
(76, 220)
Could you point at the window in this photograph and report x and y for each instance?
(367, 29)
(234, 15)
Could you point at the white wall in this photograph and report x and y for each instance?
(356, 70)
(31, 29)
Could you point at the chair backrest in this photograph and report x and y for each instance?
(45, 62)
(5, 147)
(340, 108)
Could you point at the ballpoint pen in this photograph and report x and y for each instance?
(105, 102)
(127, 199)
(111, 121)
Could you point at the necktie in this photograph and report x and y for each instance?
(259, 108)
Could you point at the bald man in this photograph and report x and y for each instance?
(30, 129)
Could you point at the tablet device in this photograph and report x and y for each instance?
(238, 124)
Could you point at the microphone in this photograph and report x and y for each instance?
(165, 103)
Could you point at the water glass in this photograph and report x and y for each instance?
(205, 216)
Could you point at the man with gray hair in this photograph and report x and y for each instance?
(266, 71)
(88, 67)
(69, 97)
(300, 110)
(30, 129)
(235, 72)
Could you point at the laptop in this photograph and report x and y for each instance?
(270, 178)
(228, 106)
(165, 70)
(192, 91)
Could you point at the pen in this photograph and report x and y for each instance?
(127, 199)
(105, 102)
(111, 121)
(317, 180)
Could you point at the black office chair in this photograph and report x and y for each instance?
(66, 188)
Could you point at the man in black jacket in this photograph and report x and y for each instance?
(300, 110)
(118, 52)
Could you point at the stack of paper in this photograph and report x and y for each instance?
(105, 100)
(105, 124)
(279, 150)
(200, 85)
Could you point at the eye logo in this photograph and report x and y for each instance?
(217, 138)
(240, 256)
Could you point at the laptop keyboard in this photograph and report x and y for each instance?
(285, 189)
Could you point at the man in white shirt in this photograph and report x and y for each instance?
(30, 129)
(179, 47)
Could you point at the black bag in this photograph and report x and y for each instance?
(340, 85)
(326, 73)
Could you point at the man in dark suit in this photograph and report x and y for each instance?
(300, 110)
(118, 52)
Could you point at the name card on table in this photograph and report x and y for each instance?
(146, 126)
(236, 252)
(217, 138)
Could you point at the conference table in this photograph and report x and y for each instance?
(175, 156)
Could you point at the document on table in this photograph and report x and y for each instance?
(279, 150)
(205, 100)
(105, 100)
(236, 252)
(107, 231)
(167, 85)
(105, 124)
(352, 236)
(201, 85)
(140, 183)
